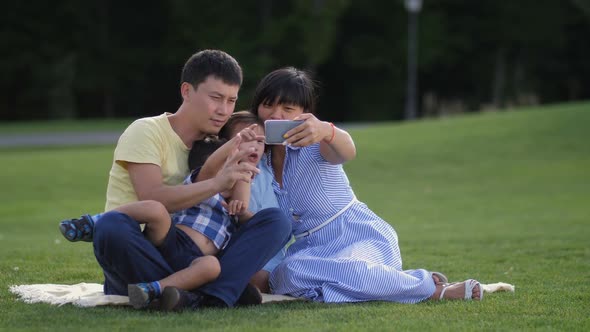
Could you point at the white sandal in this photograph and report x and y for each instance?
(469, 286)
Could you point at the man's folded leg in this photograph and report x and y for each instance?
(125, 255)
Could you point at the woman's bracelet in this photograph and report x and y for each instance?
(333, 133)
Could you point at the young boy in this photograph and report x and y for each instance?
(201, 231)
(261, 193)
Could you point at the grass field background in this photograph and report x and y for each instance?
(495, 196)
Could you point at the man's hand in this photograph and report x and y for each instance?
(233, 170)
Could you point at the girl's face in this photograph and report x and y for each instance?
(279, 111)
(257, 146)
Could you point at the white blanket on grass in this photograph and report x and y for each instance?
(91, 295)
(88, 295)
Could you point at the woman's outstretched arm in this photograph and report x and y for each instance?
(336, 145)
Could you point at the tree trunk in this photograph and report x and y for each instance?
(499, 82)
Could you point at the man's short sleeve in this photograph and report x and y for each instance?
(140, 143)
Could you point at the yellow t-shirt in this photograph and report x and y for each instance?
(146, 141)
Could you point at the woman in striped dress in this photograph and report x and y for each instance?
(343, 251)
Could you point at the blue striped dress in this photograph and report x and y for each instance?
(355, 257)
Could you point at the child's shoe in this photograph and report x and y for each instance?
(141, 295)
(176, 299)
(80, 229)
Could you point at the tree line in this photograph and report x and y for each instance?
(67, 59)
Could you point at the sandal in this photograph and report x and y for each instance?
(469, 286)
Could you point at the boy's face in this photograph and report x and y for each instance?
(256, 146)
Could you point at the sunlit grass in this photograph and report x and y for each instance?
(495, 196)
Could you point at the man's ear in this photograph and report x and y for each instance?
(185, 89)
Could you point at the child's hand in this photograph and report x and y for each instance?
(249, 134)
(235, 207)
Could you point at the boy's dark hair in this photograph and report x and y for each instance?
(241, 117)
(211, 62)
(201, 150)
(287, 85)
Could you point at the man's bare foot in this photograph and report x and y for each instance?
(457, 291)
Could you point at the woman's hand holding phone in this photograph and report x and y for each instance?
(311, 131)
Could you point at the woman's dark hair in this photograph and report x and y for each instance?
(289, 86)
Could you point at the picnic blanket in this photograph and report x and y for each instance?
(89, 295)
(92, 295)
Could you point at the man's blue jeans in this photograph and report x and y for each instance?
(127, 257)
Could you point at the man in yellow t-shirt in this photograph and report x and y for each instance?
(146, 141)
(150, 163)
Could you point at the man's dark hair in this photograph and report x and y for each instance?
(211, 63)
(201, 150)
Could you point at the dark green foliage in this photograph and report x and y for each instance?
(69, 59)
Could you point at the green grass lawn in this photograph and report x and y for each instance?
(495, 196)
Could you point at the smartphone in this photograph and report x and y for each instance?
(276, 129)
